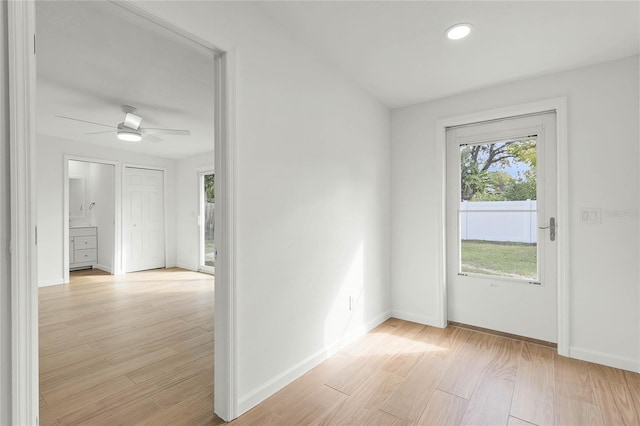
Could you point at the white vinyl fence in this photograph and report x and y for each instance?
(209, 221)
(513, 221)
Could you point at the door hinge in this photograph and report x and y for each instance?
(36, 235)
(34, 44)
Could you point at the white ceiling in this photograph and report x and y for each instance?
(397, 50)
(95, 56)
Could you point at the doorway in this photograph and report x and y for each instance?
(206, 221)
(90, 211)
(501, 218)
(23, 190)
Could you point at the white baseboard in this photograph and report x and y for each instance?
(103, 268)
(187, 267)
(420, 319)
(47, 283)
(603, 358)
(253, 398)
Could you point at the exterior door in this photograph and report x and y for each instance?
(143, 219)
(501, 211)
(206, 221)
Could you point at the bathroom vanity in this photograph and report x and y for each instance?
(83, 247)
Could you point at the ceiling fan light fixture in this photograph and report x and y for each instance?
(128, 135)
(458, 31)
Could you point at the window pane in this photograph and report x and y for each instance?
(498, 219)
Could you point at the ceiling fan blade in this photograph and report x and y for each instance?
(176, 132)
(98, 133)
(151, 138)
(85, 121)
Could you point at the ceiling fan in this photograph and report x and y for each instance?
(129, 130)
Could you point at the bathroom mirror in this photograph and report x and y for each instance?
(77, 197)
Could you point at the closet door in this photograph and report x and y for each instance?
(143, 219)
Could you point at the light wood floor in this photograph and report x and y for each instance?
(404, 374)
(139, 350)
(133, 349)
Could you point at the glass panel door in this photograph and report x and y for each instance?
(207, 223)
(501, 203)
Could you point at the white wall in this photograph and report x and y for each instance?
(102, 215)
(312, 167)
(50, 179)
(603, 151)
(5, 272)
(188, 199)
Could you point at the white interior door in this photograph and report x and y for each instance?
(501, 192)
(143, 219)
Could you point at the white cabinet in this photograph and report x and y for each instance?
(83, 247)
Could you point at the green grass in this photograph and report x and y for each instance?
(499, 258)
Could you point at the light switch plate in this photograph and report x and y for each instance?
(591, 215)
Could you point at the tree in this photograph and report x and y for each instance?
(477, 160)
(209, 187)
(499, 181)
(523, 188)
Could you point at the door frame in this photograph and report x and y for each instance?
(559, 105)
(24, 284)
(126, 166)
(117, 264)
(201, 266)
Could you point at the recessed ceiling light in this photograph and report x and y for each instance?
(458, 31)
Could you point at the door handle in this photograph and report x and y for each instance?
(551, 228)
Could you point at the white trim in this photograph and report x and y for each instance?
(559, 105)
(207, 269)
(48, 283)
(417, 318)
(187, 267)
(24, 290)
(268, 388)
(141, 12)
(226, 403)
(117, 193)
(103, 268)
(603, 358)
